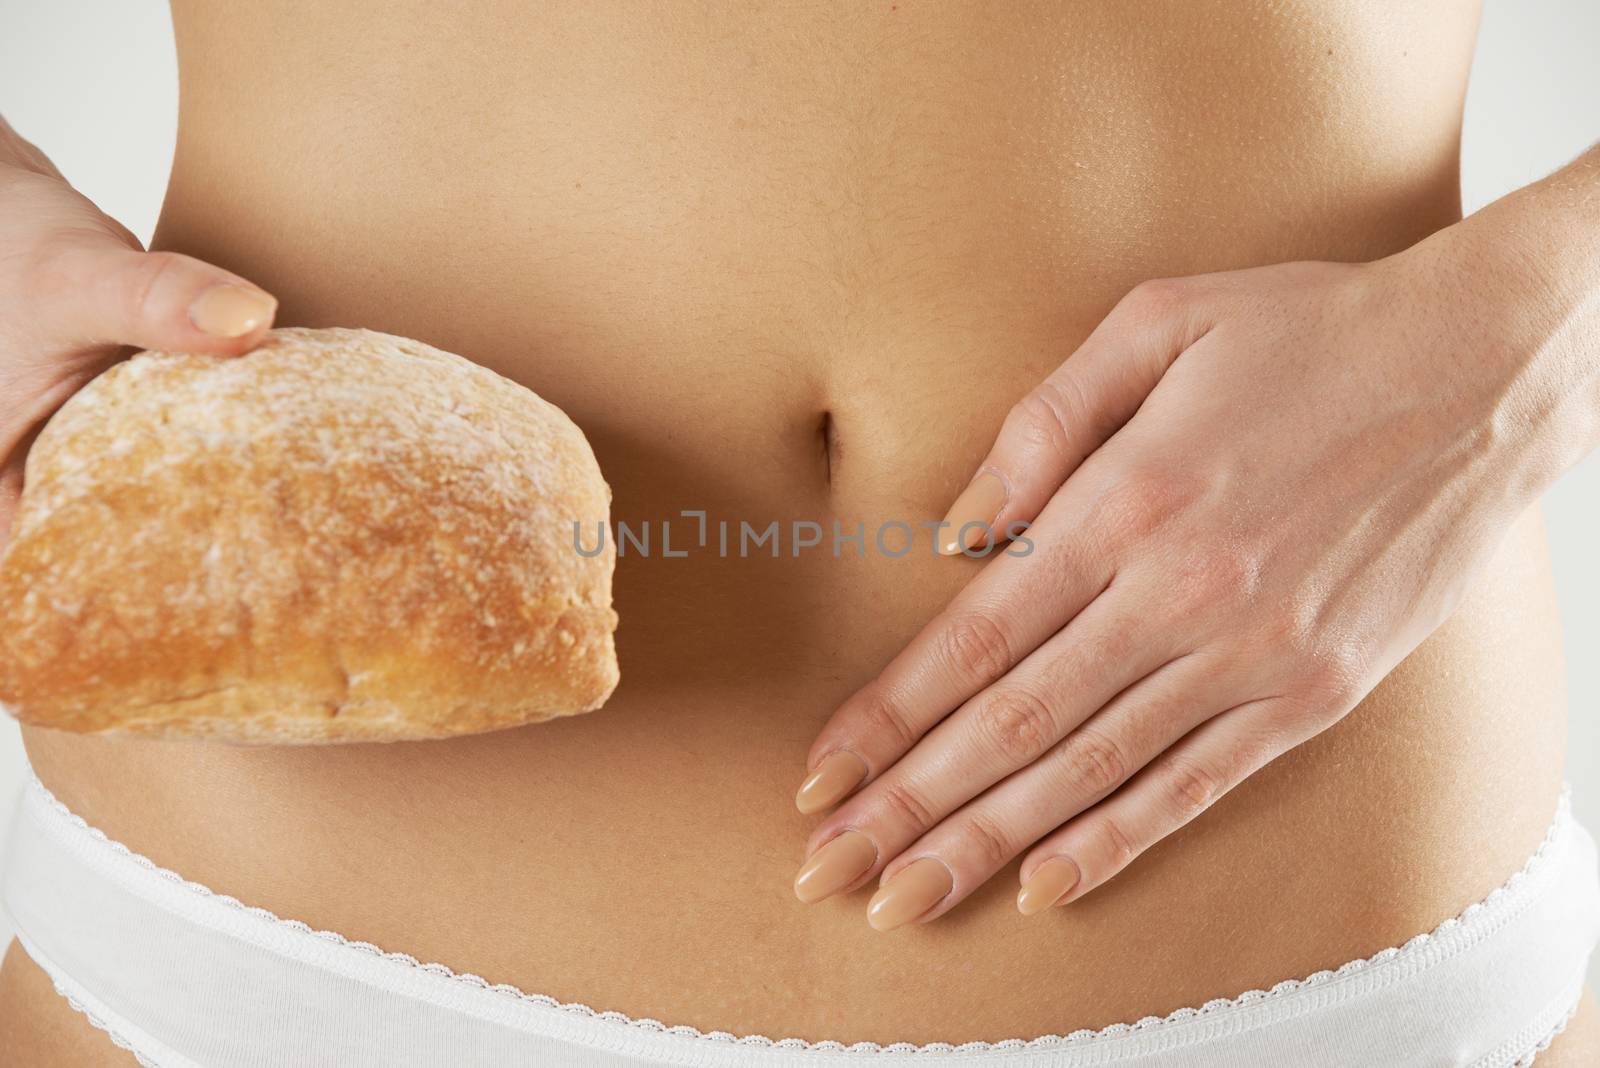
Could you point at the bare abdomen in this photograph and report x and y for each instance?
(806, 282)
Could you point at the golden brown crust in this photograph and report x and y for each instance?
(341, 536)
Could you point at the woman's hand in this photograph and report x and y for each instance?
(75, 287)
(1251, 495)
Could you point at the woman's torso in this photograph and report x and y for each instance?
(795, 265)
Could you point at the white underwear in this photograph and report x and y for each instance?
(185, 978)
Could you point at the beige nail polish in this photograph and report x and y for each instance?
(839, 862)
(913, 890)
(980, 502)
(836, 776)
(1046, 885)
(231, 311)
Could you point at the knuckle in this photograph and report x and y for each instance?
(1139, 502)
(1045, 417)
(975, 647)
(1191, 789)
(1092, 763)
(1119, 847)
(1336, 673)
(1330, 669)
(882, 717)
(906, 806)
(1279, 630)
(1154, 298)
(988, 841)
(1016, 724)
(143, 280)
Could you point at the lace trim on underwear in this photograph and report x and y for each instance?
(1527, 1059)
(110, 1032)
(1249, 997)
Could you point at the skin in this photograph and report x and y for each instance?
(78, 287)
(811, 283)
(1185, 616)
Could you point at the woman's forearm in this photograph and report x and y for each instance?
(1526, 271)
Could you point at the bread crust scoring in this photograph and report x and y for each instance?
(341, 536)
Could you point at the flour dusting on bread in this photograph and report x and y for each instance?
(342, 535)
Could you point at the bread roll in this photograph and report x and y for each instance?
(340, 536)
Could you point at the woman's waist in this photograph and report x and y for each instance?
(660, 830)
(127, 928)
(546, 862)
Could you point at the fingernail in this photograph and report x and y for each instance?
(980, 502)
(913, 890)
(836, 865)
(837, 775)
(230, 310)
(1048, 884)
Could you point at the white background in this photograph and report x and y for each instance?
(94, 84)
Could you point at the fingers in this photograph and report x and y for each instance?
(1084, 765)
(1017, 601)
(1073, 412)
(968, 646)
(1007, 726)
(76, 287)
(1175, 788)
(89, 289)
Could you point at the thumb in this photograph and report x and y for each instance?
(1069, 415)
(98, 291)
